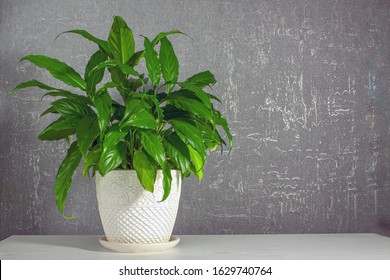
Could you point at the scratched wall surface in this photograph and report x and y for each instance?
(304, 84)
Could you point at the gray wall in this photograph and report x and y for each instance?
(304, 84)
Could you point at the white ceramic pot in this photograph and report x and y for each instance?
(130, 214)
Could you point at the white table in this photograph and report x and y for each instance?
(272, 247)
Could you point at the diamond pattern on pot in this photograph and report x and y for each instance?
(130, 214)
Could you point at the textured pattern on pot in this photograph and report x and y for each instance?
(130, 214)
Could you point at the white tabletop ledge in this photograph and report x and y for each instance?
(191, 247)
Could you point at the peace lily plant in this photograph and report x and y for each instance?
(159, 123)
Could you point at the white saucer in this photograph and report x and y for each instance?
(139, 248)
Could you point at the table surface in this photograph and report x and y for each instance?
(271, 247)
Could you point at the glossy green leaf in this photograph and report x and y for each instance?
(171, 112)
(136, 114)
(152, 63)
(70, 108)
(178, 152)
(222, 122)
(113, 136)
(162, 35)
(169, 63)
(103, 105)
(58, 70)
(134, 84)
(48, 111)
(92, 78)
(146, 170)
(92, 159)
(167, 181)
(121, 40)
(106, 86)
(112, 157)
(125, 69)
(65, 174)
(67, 94)
(118, 78)
(118, 111)
(128, 70)
(32, 83)
(141, 119)
(156, 108)
(101, 43)
(153, 146)
(198, 162)
(202, 79)
(135, 58)
(202, 95)
(87, 131)
(59, 129)
(211, 137)
(134, 105)
(190, 135)
(184, 102)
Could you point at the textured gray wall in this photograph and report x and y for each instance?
(305, 86)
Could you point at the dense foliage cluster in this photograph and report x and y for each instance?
(157, 125)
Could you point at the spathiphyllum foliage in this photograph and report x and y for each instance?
(160, 122)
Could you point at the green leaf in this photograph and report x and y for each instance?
(136, 114)
(134, 105)
(113, 136)
(202, 79)
(95, 77)
(70, 108)
(106, 86)
(58, 70)
(152, 145)
(162, 35)
(167, 181)
(65, 174)
(92, 159)
(49, 110)
(211, 137)
(222, 122)
(182, 101)
(87, 131)
(198, 162)
(190, 135)
(121, 40)
(169, 63)
(125, 69)
(135, 58)
(171, 113)
(156, 108)
(202, 95)
(103, 104)
(134, 84)
(128, 70)
(112, 157)
(152, 63)
(118, 111)
(118, 78)
(141, 119)
(67, 94)
(101, 43)
(146, 170)
(32, 83)
(59, 129)
(178, 152)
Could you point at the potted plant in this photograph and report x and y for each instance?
(139, 147)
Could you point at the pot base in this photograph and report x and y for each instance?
(139, 248)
